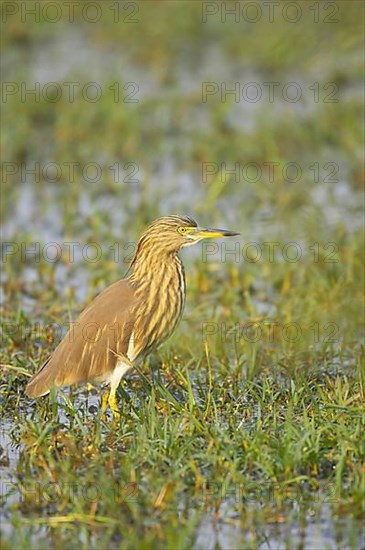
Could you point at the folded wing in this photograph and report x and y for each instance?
(91, 348)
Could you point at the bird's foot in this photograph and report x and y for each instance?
(109, 398)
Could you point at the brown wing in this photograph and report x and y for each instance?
(90, 349)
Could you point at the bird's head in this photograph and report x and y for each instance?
(171, 233)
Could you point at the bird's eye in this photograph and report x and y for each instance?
(182, 230)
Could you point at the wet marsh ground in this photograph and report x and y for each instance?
(245, 430)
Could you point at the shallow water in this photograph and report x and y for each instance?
(174, 187)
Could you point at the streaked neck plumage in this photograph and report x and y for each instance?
(159, 281)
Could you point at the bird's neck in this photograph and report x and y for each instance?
(159, 286)
(150, 268)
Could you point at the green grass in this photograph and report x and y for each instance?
(236, 433)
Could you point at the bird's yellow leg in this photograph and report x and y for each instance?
(113, 403)
(104, 401)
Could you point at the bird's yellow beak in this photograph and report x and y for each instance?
(201, 233)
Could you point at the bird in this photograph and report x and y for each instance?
(128, 319)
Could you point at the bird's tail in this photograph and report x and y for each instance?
(40, 384)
